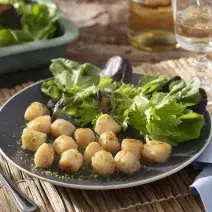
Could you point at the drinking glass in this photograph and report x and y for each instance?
(193, 30)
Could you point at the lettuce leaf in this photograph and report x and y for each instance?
(189, 127)
(50, 89)
(186, 94)
(164, 119)
(38, 22)
(183, 94)
(121, 99)
(88, 111)
(72, 77)
(85, 111)
(13, 37)
(151, 83)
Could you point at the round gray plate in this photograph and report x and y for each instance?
(11, 126)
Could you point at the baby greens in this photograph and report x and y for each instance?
(72, 77)
(165, 116)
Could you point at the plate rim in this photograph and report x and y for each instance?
(99, 187)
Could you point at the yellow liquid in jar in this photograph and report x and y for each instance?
(151, 28)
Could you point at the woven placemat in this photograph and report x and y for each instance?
(167, 195)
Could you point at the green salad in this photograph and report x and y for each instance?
(163, 109)
(21, 22)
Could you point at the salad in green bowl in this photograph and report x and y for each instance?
(21, 22)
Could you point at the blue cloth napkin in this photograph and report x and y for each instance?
(203, 183)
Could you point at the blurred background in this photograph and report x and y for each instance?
(138, 30)
(105, 29)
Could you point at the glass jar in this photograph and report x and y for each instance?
(151, 25)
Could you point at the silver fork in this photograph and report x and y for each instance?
(22, 202)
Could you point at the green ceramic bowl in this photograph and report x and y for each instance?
(38, 54)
